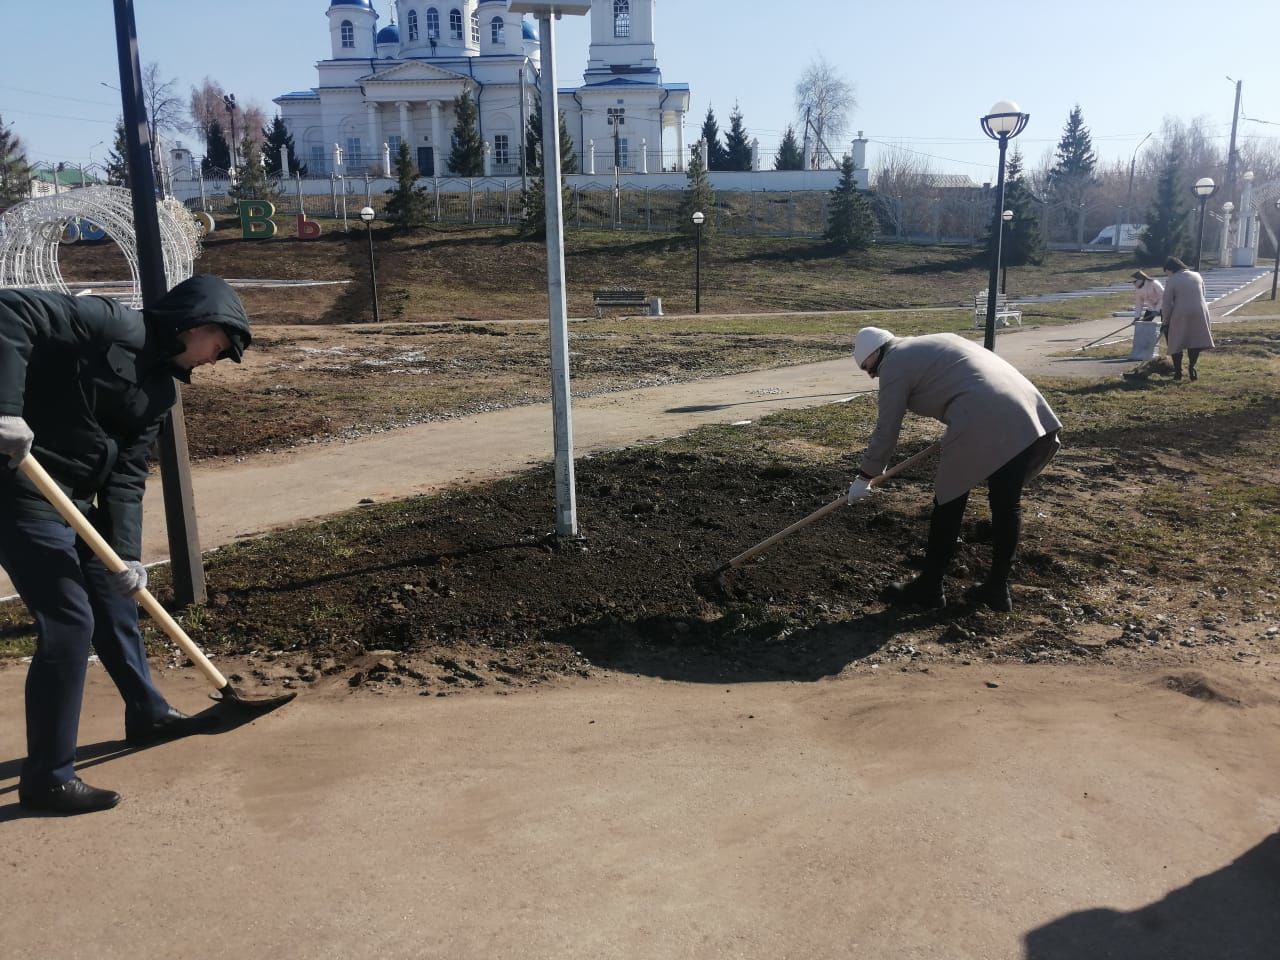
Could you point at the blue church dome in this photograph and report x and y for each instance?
(528, 30)
(389, 34)
(364, 4)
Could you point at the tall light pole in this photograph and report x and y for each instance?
(367, 215)
(229, 101)
(698, 219)
(1005, 219)
(1275, 238)
(553, 202)
(1004, 122)
(1204, 189)
(1128, 203)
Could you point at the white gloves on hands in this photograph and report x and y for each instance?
(129, 580)
(858, 489)
(15, 440)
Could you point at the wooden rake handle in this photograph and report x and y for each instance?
(835, 504)
(86, 532)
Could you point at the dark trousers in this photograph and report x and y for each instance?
(1004, 494)
(71, 600)
(1193, 353)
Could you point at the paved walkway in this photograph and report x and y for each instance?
(1217, 284)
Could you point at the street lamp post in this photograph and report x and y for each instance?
(229, 101)
(561, 402)
(367, 215)
(1128, 202)
(1003, 123)
(1005, 219)
(1275, 273)
(1204, 189)
(698, 219)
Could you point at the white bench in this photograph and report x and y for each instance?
(1005, 314)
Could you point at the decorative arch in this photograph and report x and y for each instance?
(30, 234)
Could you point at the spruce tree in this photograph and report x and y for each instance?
(1023, 244)
(117, 163)
(407, 203)
(217, 151)
(276, 136)
(716, 157)
(251, 178)
(698, 196)
(533, 144)
(1165, 234)
(850, 224)
(1072, 175)
(790, 156)
(466, 159)
(737, 146)
(15, 171)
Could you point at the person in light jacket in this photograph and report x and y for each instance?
(1186, 313)
(1148, 296)
(1000, 431)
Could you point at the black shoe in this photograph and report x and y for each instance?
(1192, 373)
(173, 725)
(994, 596)
(73, 796)
(1177, 374)
(920, 592)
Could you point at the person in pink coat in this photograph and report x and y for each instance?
(1148, 296)
(1186, 314)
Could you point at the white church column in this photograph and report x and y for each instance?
(755, 153)
(591, 158)
(680, 156)
(370, 151)
(437, 137)
(644, 156)
(488, 159)
(404, 124)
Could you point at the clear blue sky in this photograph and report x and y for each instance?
(924, 70)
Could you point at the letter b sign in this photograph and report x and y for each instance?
(255, 219)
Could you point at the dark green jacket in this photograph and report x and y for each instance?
(94, 381)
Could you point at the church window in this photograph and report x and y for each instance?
(319, 162)
(393, 143)
(348, 34)
(475, 28)
(433, 23)
(624, 153)
(412, 20)
(498, 31)
(353, 156)
(501, 149)
(455, 23)
(622, 18)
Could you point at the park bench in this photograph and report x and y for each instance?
(604, 300)
(1005, 314)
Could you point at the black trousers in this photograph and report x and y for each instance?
(67, 591)
(1004, 494)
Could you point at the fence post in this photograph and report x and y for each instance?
(471, 199)
(648, 209)
(791, 214)
(333, 188)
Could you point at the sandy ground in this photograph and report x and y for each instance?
(970, 812)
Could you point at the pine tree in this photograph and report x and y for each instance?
(1022, 241)
(117, 163)
(533, 143)
(716, 157)
(275, 137)
(1072, 173)
(217, 151)
(407, 203)
(790, 156)
(251, 177)
(1166, 232)
(850, 225)
(698, 197)
(466, 159)
(15, 171)
(737, 146)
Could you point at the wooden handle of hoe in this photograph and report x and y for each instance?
(85, 530)
(835, 504)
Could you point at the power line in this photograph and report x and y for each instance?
(55, 116)
(54, 96)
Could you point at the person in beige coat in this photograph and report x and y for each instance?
(1186, 313)
(999, 431)
(1148, 297)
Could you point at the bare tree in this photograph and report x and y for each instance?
(904, 186)
(255, 123)
(824, 99)
(207, 107)
(164, 107)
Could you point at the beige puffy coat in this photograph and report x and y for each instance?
(1185, 311)
(992, 411)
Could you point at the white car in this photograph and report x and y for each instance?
(1130, 233)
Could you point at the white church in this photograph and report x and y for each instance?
(382, 87)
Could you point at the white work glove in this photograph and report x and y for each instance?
(129, 580)
(15, 440)
(858, 489)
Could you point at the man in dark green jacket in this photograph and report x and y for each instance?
(85, 384)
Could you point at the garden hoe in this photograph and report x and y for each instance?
(229, 695)
(718, 575)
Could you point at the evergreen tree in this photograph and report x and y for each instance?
(466, 159)
(850, 224)
(1165, 234)
(790, 156)
(533, 143)
(407, 203)
(217, 151)
(698, 196)
(15, 171)
(1022, 241)
(275, 137)
(716, 157)
(118, 158)
(251, 176)
(737, 146)
(1074, 164)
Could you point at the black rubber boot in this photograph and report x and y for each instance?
(992, 595)
(923, 591)
(926, 589)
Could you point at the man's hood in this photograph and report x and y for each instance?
(197, 301)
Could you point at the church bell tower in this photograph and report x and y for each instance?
(622, 41)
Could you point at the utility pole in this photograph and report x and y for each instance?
(1231, 151)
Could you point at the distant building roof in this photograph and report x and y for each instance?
(68, 177)
(953, 181)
